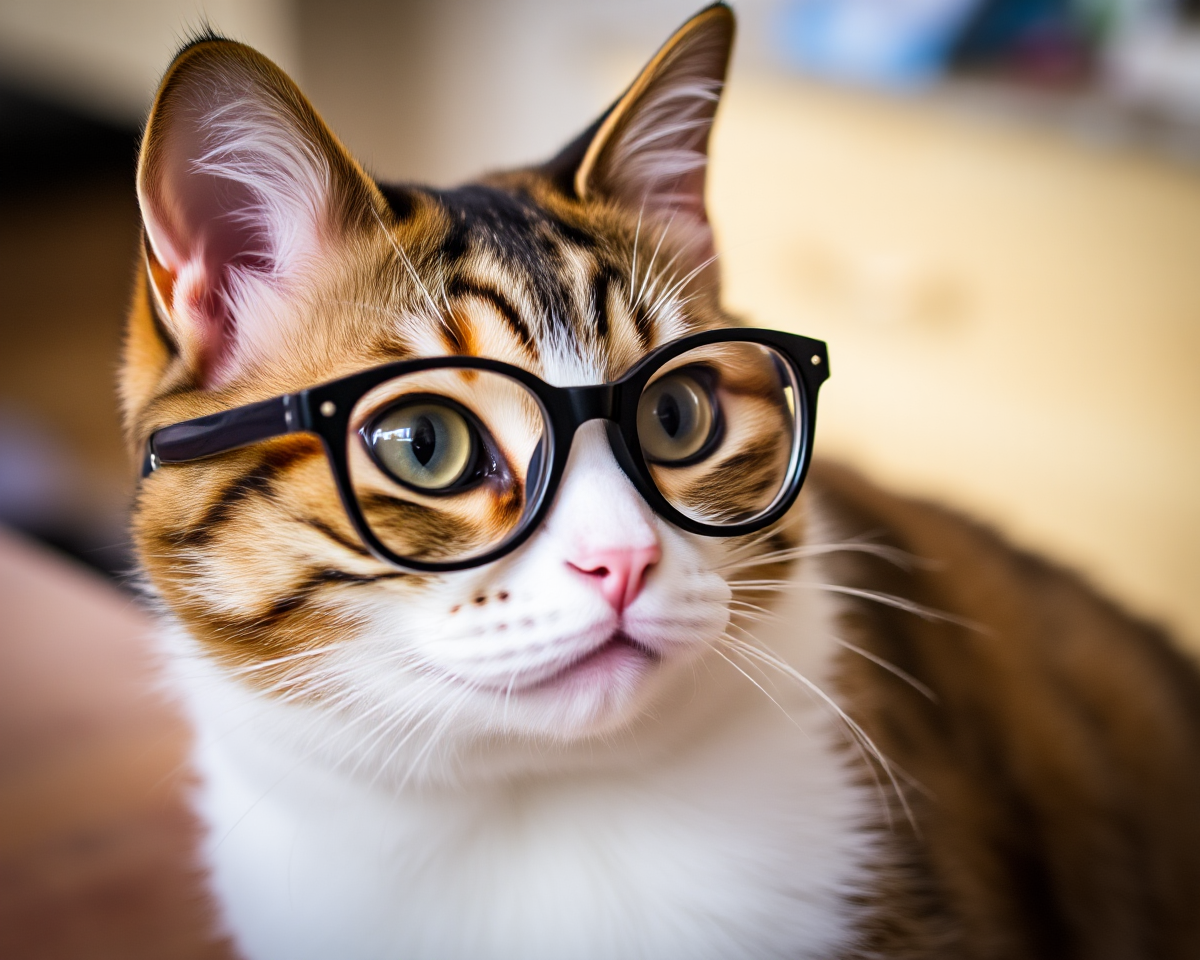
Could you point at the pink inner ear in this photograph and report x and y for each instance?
(202, 228)
(232, 189)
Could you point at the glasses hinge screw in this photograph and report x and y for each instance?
(328, 408)
(816, 360)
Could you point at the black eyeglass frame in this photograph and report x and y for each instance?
(325, 409)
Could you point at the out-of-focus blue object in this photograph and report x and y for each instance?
(1002, 26)
(890, 43)
(1039, 41)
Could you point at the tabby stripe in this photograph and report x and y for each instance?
(568, 232)
(401, 200)
(600, 284)
(331, 575)
(643, 325)
(460, 287)
(304, 591)
(221, 509)
(751, 469)
(327, 531)
(251, 627)
(259, 480)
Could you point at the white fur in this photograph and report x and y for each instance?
(695, 815)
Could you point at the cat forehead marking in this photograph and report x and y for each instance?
(520, 283)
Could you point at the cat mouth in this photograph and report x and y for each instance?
(618, 660)
(618, 655)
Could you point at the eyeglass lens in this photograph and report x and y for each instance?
(447, 464)
(718, 430)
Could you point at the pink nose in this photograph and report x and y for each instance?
(620, 570)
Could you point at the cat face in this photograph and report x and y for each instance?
(274, 263)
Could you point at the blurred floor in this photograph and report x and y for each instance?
(96, 844)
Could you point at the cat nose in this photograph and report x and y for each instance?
(621, 571)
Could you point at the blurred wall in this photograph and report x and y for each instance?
(1013, 317)
(106, 55)
(438, 91)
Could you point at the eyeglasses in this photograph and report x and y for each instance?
(452, 462)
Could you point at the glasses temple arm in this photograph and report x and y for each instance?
(221, 432)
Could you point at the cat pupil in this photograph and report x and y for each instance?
(667, 411)
(424, 440)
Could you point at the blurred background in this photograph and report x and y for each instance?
(989, 208)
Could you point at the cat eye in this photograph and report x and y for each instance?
(428, 444)
(677, 418)
(451, 462)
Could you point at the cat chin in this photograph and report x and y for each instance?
(605, 690)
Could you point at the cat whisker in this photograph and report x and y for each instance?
(447, 718)
(303, 759)
(782, 708)
(654, 256)
(877, 596)
(637, 232)
(755, 613)
(408, 266)
(900, 558)
(667, 294)
(657, 283)
(508, 696)
(747, 606)
(751, 650)
(890, 667)
(442, 283)
(900, 603)
(861, 747)
(414, 707)
(761, 688)
(307, 684)
(251, 668)
(347, 698)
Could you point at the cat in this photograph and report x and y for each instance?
(870, 729)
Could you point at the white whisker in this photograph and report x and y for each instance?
(863, 737)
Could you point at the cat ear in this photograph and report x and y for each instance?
(650, 151)
(242, 189)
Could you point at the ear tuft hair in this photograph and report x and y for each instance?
(650, 150)
(242, 187)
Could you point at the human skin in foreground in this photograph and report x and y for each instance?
(869, 728)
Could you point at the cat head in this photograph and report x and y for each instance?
(274, 262)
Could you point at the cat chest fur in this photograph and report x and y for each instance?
(748, 838)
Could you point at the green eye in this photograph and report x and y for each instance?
(427, 445)
(676, 418)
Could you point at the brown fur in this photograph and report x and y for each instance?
(1054, 782)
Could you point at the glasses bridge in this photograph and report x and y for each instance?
(593, 402)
